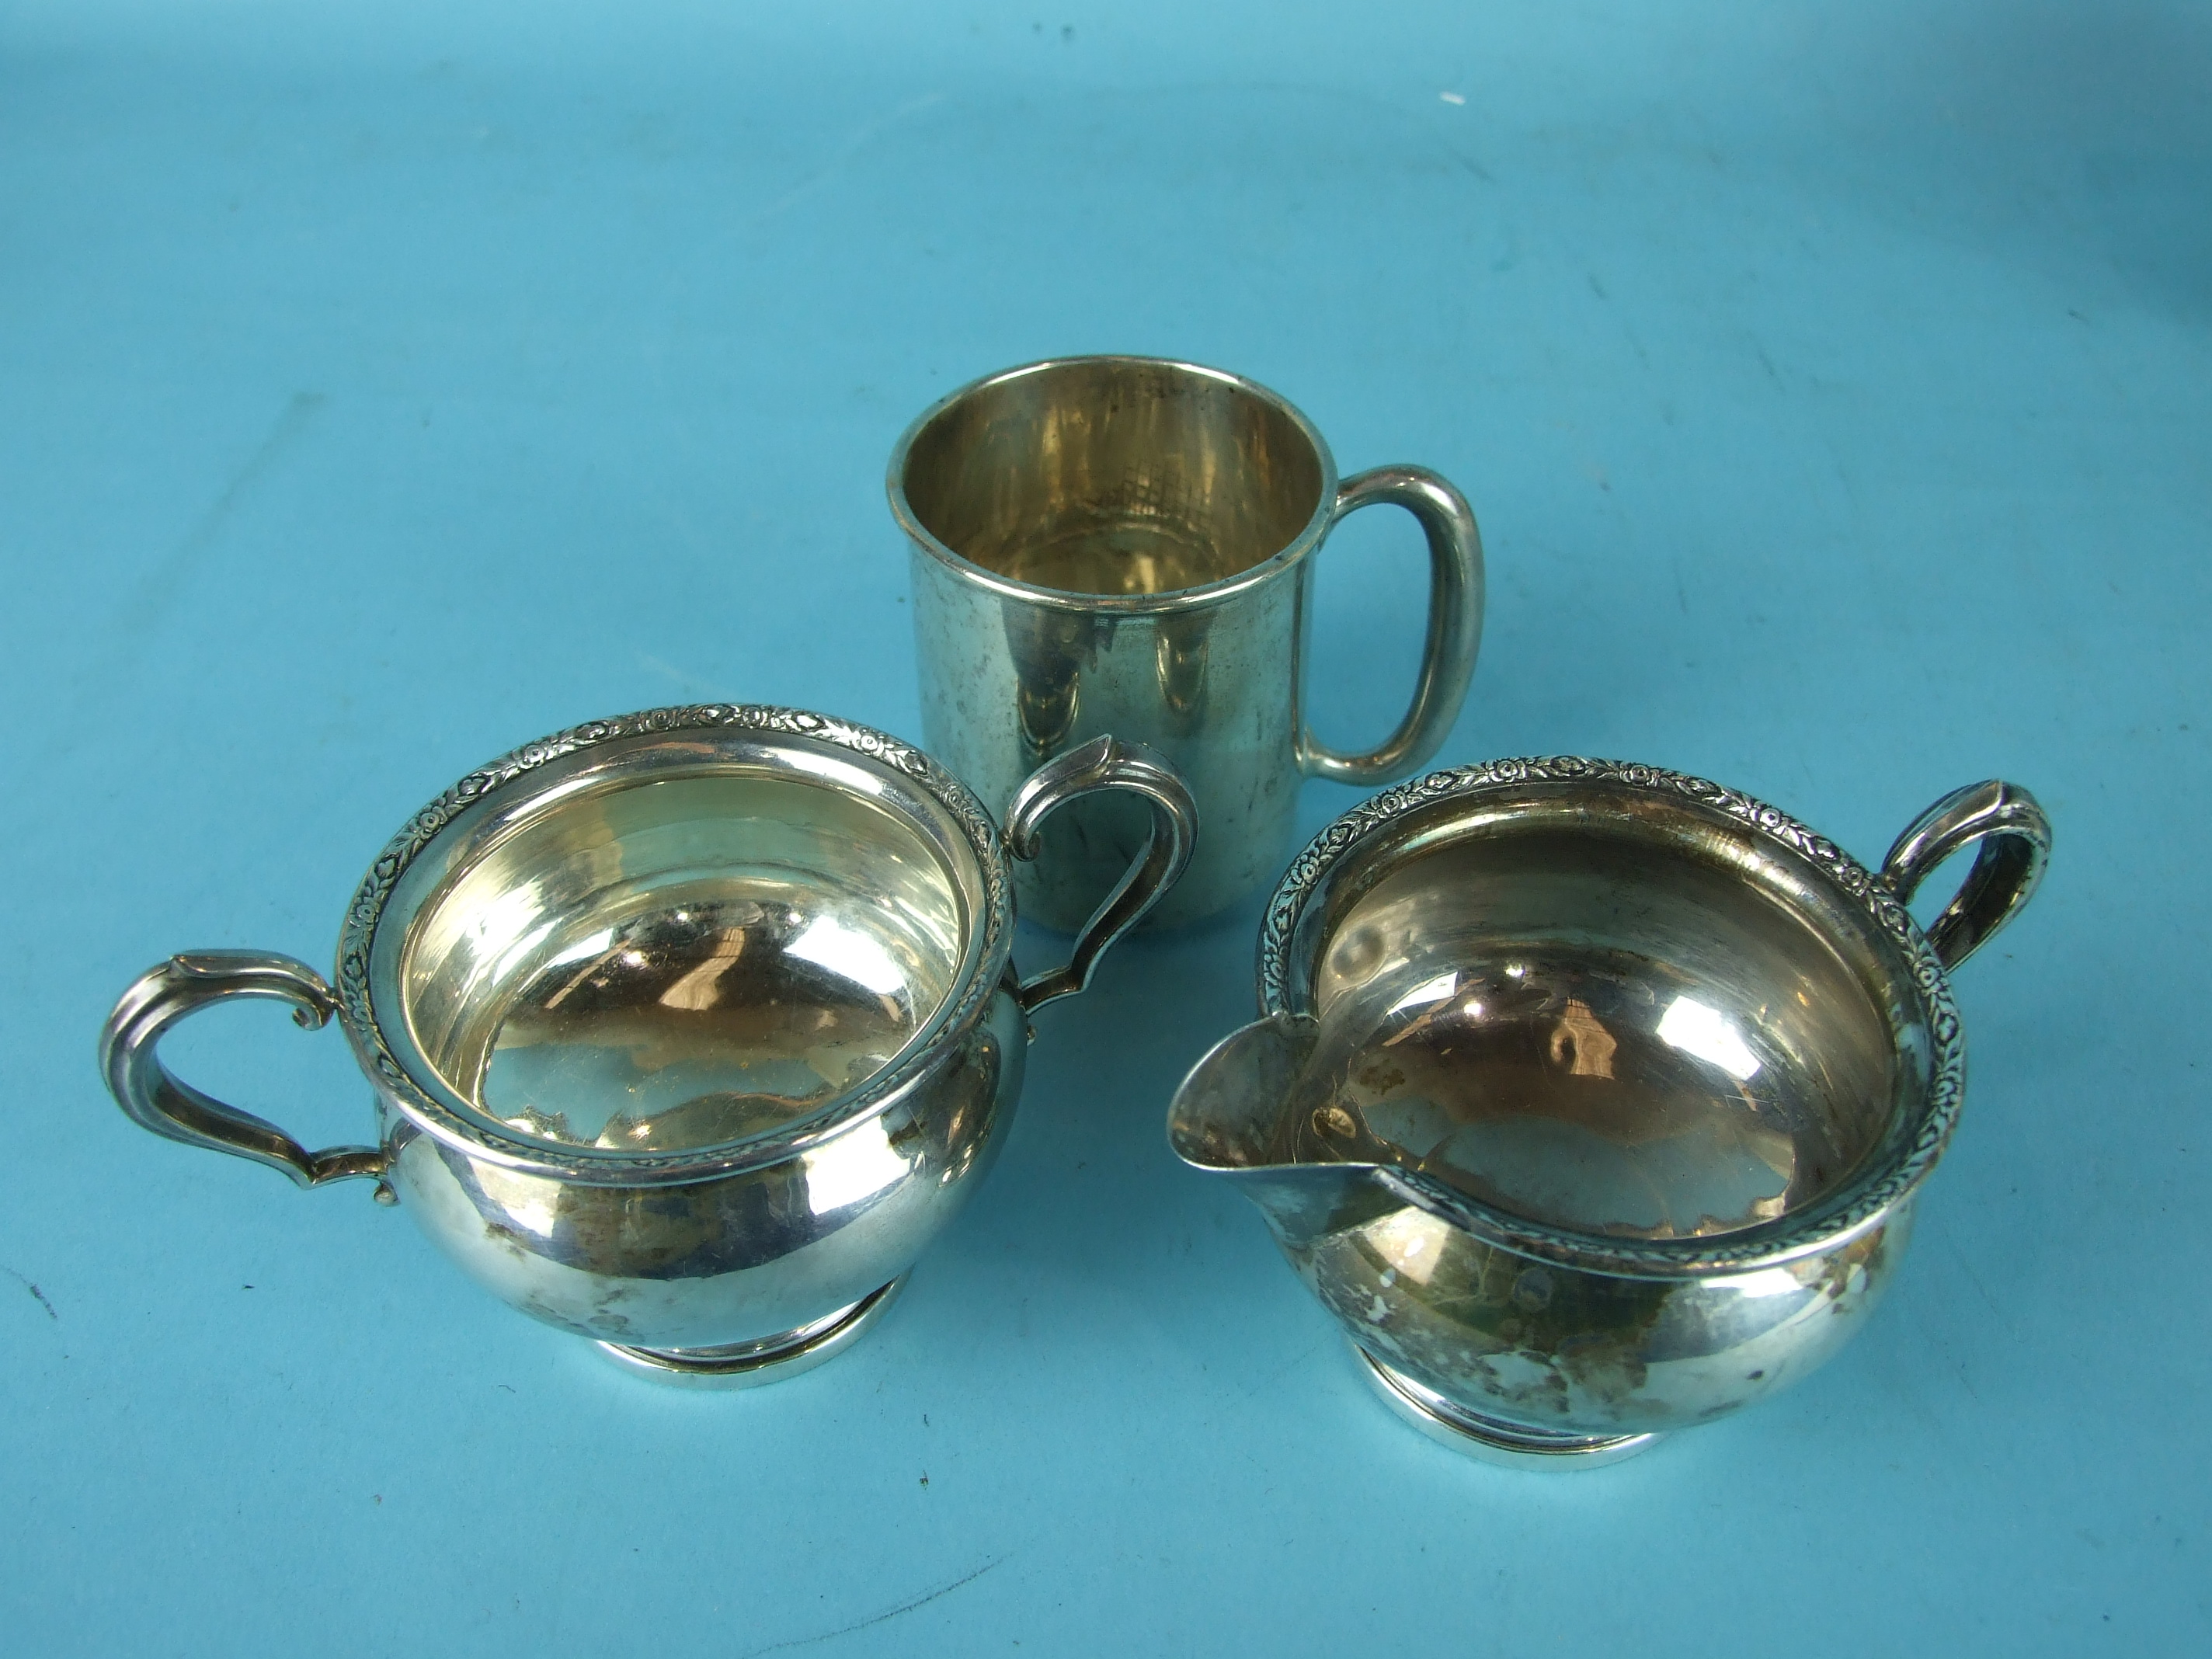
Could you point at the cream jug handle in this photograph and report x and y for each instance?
(1455, 624)
(153, 1099)
(1100, 764)
(2015, 841)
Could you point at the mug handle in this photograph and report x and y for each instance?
(2016, 838)
(153, 1098)
(1104, 764)
(1455, 624)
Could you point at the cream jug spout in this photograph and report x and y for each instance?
(1236, 1114)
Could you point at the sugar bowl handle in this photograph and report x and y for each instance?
(2015, 842)
(1100, 764)
(155, 1100)
(1455, 632)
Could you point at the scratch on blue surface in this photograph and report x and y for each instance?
(160, 587)
(852, 147)
(881, 1618)
(39, 1294)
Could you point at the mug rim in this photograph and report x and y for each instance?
(1061, 599)
(1882, 1180)
(985, 961)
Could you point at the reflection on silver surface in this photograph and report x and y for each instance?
(1593, 1099)
(1509, 1445)
(1114, 475)
(1622, 1043)
(1566, 1090)
(683, 962)
(752, 1364)
(1694, 1029)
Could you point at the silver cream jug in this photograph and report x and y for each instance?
(1593, 1100)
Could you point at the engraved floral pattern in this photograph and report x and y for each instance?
(1862, 1202)
(357, 1008)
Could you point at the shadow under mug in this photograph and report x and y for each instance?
(1125, 544)
(689, 1029)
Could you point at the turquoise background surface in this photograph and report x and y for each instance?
(382, 385)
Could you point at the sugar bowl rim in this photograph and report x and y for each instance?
(984, 963)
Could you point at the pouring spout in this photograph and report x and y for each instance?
(1235, 1115)
(1228, 1113)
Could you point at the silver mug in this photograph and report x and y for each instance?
(1593, 1100)
(688, 1029)
(1126, 544)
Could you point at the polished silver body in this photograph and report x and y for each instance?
(689, 1029)
(1593, 1099)
(1125, 544)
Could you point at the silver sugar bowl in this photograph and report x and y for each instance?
(1593, 1099)
(689, 1029)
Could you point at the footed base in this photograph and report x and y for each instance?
(770, 1359)
(1484, 1437)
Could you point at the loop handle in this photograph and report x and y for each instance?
(1106, 763)
(2016, 838)
(153, 1097)
(1456, 600)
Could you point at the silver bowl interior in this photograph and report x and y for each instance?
(654, 952)
(1114, 475)
(1603, 1013)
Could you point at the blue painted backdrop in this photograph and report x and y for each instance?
(381, 386)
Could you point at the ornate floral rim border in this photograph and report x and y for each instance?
(1850, 1208)
(355, 943)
